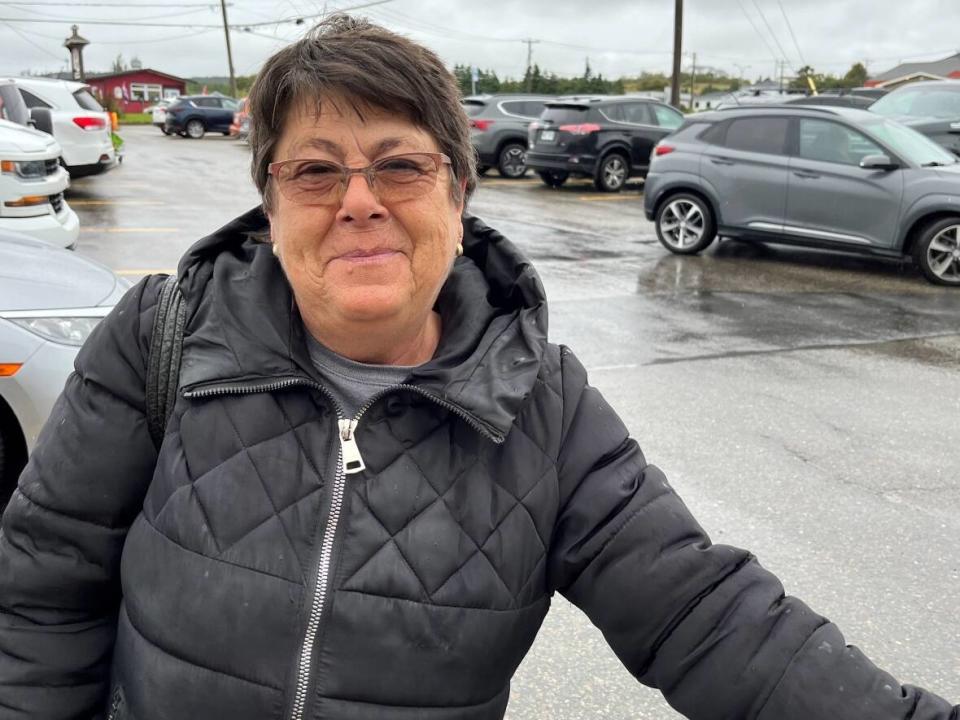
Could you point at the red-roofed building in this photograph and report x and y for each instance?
(133, 90)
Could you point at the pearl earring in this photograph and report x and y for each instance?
(459, 249)
(276, 249)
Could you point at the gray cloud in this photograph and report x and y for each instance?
(620, 37)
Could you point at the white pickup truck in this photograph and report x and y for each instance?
(32, 181)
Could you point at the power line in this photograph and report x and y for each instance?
(104, 4)
(773, 53)
(790, 28)
(783, 53)
(31, 42)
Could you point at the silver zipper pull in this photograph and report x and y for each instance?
(352, 461)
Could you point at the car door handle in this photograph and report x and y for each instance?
(721, 161)
(805, 174)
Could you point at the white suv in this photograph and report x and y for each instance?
(31, 178)
(69, 111)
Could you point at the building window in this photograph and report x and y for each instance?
(146, 92)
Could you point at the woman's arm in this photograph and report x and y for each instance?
(703, 623)
(63, 531)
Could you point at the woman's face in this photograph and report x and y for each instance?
(363, 260)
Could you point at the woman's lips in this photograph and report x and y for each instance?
(373, 256)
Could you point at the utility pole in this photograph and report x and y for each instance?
(530, 44)
(226, 32)
(677, 53)
(693, 80)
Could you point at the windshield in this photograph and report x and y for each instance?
(920, 102)
(910, 144)
(12, 106)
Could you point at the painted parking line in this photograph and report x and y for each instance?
(149, 271)
(606, 198)
(127, 230)
(89, 203)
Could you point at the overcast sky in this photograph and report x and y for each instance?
(620, 37)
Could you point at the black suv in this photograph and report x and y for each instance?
(195, 115)
(607, 138)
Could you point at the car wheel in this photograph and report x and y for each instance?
(612, 173)
(512, 161)
(685, 224)
(553, 178)
(11, 463)
(482, 170)
(195, 129)
(937, 252)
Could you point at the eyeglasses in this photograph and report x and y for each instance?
(392, 179)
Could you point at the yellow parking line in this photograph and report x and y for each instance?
(128, 230)
(151, 271)
(76, 203)
(606, 198)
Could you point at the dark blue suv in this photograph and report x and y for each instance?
(195, 115)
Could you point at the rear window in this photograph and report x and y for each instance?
(565, 114)
(473, 108)
(760, 135)
(87, 101)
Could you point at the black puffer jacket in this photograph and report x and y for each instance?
(260, 582)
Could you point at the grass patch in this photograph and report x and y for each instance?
(136, 119)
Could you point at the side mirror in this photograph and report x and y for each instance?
(878, 162)
(955, 127)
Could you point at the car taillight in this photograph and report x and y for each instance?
(582, 129)
(481, 125)
(662, 149)
(84, 122)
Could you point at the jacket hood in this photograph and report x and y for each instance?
(243, 324)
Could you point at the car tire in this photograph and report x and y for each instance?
(553, 178)
(612, 173)
(12, 460)
(512, 160)
(195, 129)
(937, 252)
(672, 226)
(482, 170)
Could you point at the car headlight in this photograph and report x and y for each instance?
(64, 327)
(24, 168)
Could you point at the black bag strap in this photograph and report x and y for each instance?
(163, 364)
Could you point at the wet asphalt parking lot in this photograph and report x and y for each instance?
(805, 405)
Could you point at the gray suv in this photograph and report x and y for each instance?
(498, 129)
(825, 177)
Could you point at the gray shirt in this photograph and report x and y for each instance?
(353, 383)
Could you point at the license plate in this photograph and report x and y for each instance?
(548, 136)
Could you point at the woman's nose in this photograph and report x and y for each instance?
(360, 203)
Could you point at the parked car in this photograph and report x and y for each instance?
(50, 301)
(835, 100)
(932, 108)
(833, 178)
(32, 180)
(498, 130)
(240, 127)
(195, 115)
(158, 114)
(69, 111)
(607, 138)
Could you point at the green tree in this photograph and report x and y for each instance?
(856, 76)
(118, 64)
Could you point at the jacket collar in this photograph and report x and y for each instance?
(243, 325)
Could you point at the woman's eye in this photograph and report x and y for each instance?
(316, 170)
(401, 165)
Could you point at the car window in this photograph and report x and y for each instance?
(919, 102)
(230, 104)
(533, 108)
(827, 141)
(613, 112)
(87, 101)
(910, 144)
(565, 114)
(515, 107)
(666, 117)
(637, 113)
(473, 107)
(32, 100)
(207, 102)
(758, 134)
(12, 107)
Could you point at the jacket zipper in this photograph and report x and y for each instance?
(349, 462)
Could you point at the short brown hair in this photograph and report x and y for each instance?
(367, 65)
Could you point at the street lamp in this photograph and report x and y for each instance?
(75, 45)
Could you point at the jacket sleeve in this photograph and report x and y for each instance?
(63, 531)
(703, 623)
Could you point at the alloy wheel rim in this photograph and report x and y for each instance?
(682, 224)
(515, 162)
(614, 173)
(192, 129)
(943, 254)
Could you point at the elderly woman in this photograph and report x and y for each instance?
(377, 470)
